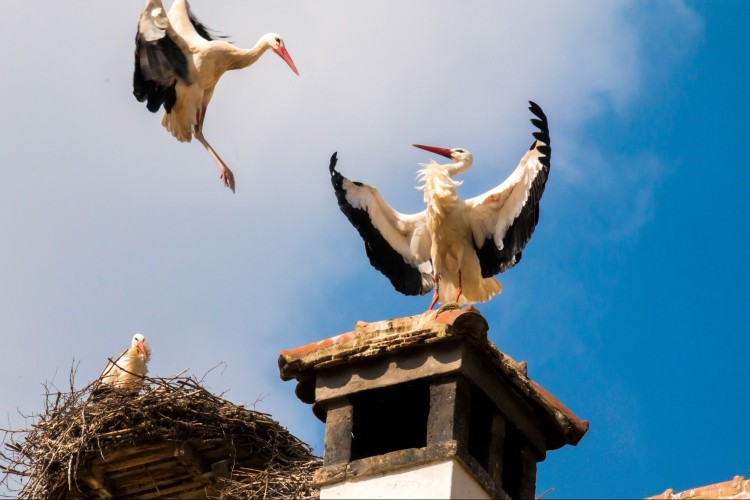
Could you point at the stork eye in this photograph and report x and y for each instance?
(278, 40)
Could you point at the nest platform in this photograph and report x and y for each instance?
(172, 439)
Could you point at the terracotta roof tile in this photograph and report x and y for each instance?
(738, 487)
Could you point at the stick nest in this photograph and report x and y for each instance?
(82, 432)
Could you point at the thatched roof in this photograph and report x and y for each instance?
(173, 438)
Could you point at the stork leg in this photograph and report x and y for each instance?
(459, 289)
(435, 295)
(226, 175)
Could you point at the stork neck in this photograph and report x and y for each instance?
(439, 187)
(242, 58)
(458, 167)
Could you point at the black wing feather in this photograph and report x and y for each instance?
(203, 30)
(404, 277)
(158, 65)
(492, 260)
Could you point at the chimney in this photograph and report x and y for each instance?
(427, 407)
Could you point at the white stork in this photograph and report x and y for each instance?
(178, 63)
(128, 369)
(454, 247)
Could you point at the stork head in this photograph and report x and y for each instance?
(139, 342)
(276, 43)
(461, 157)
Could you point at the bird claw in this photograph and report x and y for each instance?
(228, 178)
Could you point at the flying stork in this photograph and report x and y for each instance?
(127, 370)
(453, 247)
(178, 63)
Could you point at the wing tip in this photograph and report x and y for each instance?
(541, 135)
(332, 165)
(336, 178)
(537, 110)
(541, 119)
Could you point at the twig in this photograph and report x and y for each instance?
(549, 490)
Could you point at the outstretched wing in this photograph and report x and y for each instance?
(503, 219)
(160, 59)
(397, 245)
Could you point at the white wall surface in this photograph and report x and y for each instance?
(439, 480)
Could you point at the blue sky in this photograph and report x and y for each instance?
(628, 304)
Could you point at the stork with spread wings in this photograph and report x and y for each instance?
(453, 247)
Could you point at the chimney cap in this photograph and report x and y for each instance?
(448, 324)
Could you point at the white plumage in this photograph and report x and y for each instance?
(453, 247)
(178, 63)
(127, 370)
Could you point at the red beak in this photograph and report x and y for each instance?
(140, 347)
(432, 149)
(284, 54)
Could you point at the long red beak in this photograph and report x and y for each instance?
(284, 54)
(140, 347)
(432, 149)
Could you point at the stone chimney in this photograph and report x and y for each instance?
(427, 407)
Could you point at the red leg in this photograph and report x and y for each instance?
(226, 175)
(435, 295)
(459, 290)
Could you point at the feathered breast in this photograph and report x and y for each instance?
(438, 186)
